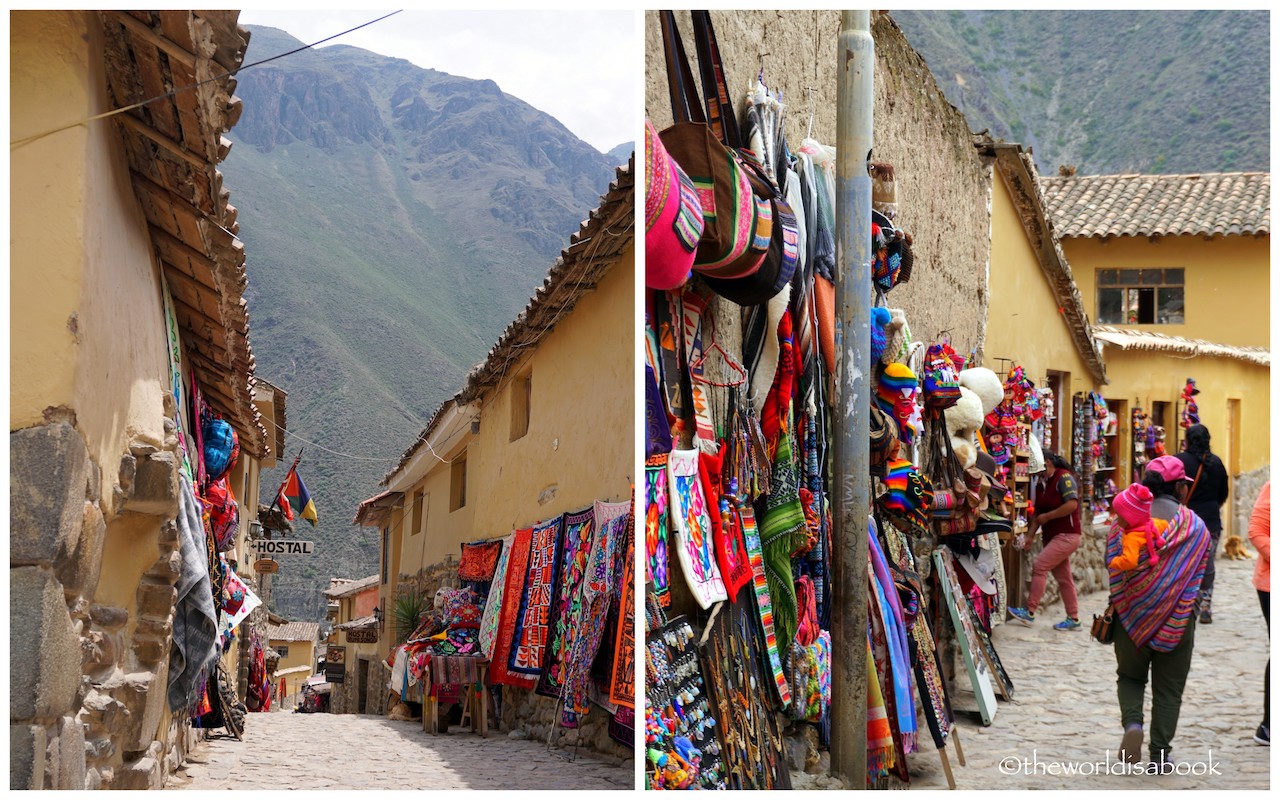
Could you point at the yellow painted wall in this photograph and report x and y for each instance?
(1023, 322)
(387, 591)
(443, 531)
(301, 654)
(86, 315)
(1228, 285)
(581, 421)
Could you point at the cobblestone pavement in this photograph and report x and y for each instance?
(1065, 709)
(347, 751)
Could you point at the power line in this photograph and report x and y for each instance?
(179, 90)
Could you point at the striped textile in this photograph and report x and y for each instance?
(764, 604)
(529, 649)
(880, 748)
(1155, 603)
(694, 304)
(499, 672)
(782, 528)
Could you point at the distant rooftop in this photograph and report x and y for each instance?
(1212, 203)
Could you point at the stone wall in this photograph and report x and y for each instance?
(527, 715)
(1246, 486)
(88, 680)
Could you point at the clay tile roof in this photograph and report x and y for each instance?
(172, 145)
(1209, 204)
(1128, 339)
(294, 632)
(349, 587)
(593, 250)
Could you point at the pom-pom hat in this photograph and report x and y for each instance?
(1133, 505)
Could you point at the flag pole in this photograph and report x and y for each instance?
(276, 499)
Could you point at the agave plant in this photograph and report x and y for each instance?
(409, 611)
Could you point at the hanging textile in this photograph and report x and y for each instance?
(579, 539)
(531, 630)
(479, 560)
(880, 749)
(622, 686)
(896, 639)
(499, 673)
(194, 646)
(781, 528)
(692, 528)
(493, 605)
(657, 563)
(597, 592)
(764, 601)
(730, 555)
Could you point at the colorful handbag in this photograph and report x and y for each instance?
(673, 217)
(941, 382)
(738, 225)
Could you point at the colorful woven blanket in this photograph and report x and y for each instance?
(781, 529)
(879, 735)
(493, 606)
(518, 564)
(529, 648)
(598, 594)
(479, 560)
(692, 527)
(579, 530)
(622, 686)
(1154, 603)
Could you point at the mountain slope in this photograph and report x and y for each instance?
(1109, 91)
(395, 219)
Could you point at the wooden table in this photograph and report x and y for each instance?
(476, 693)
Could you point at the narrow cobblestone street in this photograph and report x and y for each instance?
(346, 751)
(1065, 710)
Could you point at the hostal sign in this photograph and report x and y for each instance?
(282, 547)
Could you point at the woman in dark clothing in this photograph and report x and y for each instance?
(1206, 499)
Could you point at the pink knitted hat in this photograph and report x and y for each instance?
(1133, 505)
(1168, 468)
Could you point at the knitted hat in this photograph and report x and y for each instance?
(1133, 505)
(908, 494)
(895, 394)
(880, 318)
(1168, 468)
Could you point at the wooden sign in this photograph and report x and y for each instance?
(966, 635)
(266, 566)
(363, 636)
(335, 664)
(276, 547)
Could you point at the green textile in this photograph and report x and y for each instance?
(782, 525)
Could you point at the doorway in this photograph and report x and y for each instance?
(362, 685)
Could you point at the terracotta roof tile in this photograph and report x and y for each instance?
(1209, 204)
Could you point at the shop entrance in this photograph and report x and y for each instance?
(362, 685)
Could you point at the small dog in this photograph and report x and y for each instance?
(1234, 548)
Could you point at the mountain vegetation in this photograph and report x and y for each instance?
(1109, 91)
(395, 220)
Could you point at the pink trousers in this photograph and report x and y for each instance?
(1056, 558)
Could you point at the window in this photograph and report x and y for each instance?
(1141, 296)
(282, 649)
(416, 521)
(521, 391)
(386, 546)
(458, 483)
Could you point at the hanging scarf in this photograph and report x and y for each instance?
(777, 403)
(1154, 603)
(880, 748)
(764, 601)
(692, 529)
(896, 639)
(782, 528)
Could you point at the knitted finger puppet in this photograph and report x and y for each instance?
(1132, 507)
(1190, 412)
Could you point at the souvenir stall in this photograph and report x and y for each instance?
(212, 600)
(740, 352)
(546, 609)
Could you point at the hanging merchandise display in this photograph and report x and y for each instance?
(740, 357)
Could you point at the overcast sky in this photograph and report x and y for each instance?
(578, 66)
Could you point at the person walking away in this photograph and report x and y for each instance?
(1155, 614)
(1058, 507)
(1260, 536)
(1210, 487)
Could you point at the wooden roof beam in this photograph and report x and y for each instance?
(148, 34)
